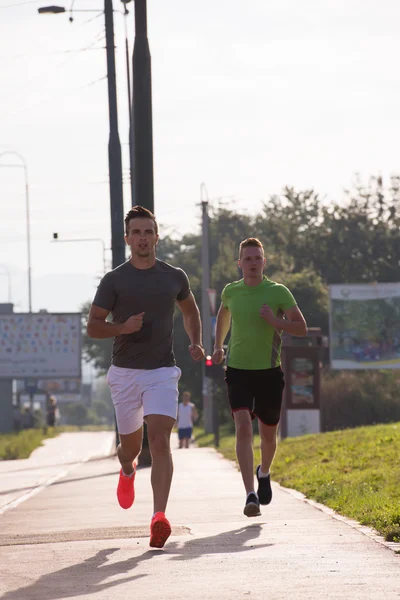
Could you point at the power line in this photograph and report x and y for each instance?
(48, 71)
(93, 18)
(93, 82)
(18, 4)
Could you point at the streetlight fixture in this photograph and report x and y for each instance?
(8, 274)
(99, 240)
(51, 10)
(28, 223)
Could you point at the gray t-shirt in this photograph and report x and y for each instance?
(128, 291)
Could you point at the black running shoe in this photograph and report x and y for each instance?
(264, 491)
(252, 506)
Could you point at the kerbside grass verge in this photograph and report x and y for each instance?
(22, 444)
(355, 471)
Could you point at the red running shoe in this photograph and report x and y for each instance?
(160, 530)
(126, 489)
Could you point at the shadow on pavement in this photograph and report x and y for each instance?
(227, 542)
(86, 578)
(80, 579)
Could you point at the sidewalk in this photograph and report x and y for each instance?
(53, 460)
(72, 540)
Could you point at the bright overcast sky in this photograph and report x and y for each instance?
(247, 97)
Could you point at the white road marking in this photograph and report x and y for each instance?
(106, 452)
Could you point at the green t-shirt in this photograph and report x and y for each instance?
(253, 343)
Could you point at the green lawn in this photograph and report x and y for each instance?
(356, 472)
(22, 444)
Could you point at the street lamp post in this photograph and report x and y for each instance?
(28, 223)
(99, 240)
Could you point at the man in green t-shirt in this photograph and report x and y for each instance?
(257, 310)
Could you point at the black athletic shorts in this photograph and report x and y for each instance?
(258, 391)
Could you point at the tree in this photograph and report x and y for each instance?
(97, 352)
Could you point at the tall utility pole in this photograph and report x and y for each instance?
(141, 138)
(206, 320)
(141, 133)
(114, 154)
(114, 147)
(128, 80)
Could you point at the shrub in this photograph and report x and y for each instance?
(355, 398)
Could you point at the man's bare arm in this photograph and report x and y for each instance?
(294, 323)
(221, 331)
(192, 324)
(99, 328)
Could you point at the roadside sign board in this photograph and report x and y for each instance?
(40, 345)
(365, 326)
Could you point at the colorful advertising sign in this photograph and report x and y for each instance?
(302, 375)
(365, 326)
(40, 345)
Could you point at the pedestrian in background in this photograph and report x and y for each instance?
(187, 416)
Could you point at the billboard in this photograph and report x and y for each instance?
(365, 326)
(40, 345)
(48, 386)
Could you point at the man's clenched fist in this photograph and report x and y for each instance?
(134, 323)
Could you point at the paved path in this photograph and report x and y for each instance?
(72, 540)
(20, 479)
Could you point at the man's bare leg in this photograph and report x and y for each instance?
(128, 449)
(244, 447)
(268, 445)
(159, 429)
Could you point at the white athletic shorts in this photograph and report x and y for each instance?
(137, 393)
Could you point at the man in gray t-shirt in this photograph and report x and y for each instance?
(128, 291)
(140, 295)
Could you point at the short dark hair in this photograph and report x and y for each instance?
(250, 242)
(139, 212)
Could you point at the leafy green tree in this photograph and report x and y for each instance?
(98, 352)
(354, 241)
